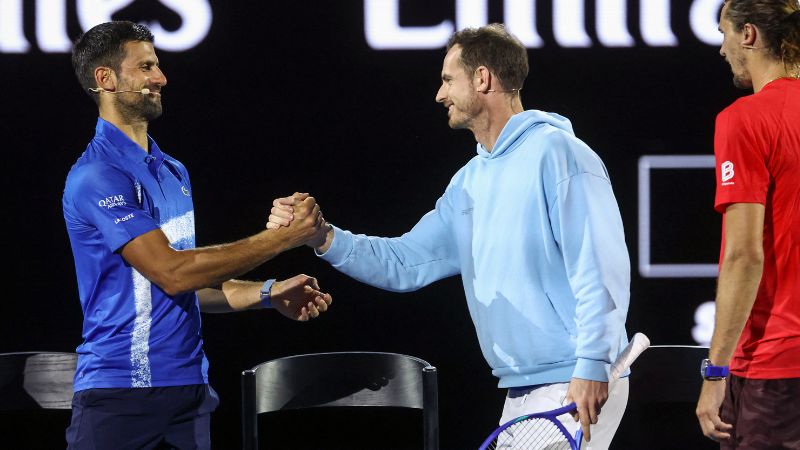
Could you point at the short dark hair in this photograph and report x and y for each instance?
(104, 45)
(777, 20)
(497, 49)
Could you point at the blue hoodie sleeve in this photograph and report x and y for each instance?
(588, 228)
(401, 264)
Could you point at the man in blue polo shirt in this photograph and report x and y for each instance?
(142, 376)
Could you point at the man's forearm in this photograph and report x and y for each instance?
(736, 292)
(401, 264)
(177, 271)
(739, 277)
(213, 266)
(235, 295)
(189, 270)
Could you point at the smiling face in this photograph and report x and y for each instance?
(733, 52)
(137, 71)
(457, 92)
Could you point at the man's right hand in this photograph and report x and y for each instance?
(306, 221)
(283, 214)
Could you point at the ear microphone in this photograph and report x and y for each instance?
(497, 90)
(144, 91)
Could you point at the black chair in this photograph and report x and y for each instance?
(346, 379)
(665, 382)
(35, 398)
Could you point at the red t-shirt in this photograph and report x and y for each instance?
(757, 150)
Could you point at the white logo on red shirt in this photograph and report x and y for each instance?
(727, 172)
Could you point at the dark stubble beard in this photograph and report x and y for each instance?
(742, 83)
(470, 109)
(738, 80)
(136, 107)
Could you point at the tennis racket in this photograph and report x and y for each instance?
(543, 431)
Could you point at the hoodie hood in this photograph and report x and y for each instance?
(520, 124)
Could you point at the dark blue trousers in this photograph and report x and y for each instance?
(174, 417)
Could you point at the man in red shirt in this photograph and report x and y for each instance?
(757, 149)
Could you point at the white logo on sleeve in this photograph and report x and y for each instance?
(138, 188)
(727, 172)
(123, 219)
(111, 202)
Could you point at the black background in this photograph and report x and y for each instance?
(288, 96)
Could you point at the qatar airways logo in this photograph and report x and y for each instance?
(51, 23)
(384, 32)
(112, 201)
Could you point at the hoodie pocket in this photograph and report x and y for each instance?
(566, 317)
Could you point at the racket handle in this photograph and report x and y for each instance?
(639, 343)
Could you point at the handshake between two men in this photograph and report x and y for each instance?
(302, 211)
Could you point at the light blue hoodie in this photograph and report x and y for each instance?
(535, 232)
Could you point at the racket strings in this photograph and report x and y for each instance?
(532, 434)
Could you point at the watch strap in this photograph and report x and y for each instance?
(266, 294)
(712, 372)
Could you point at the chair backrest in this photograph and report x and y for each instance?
(36, 380)
(340, 379)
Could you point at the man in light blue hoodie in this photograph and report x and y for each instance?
(532, 226)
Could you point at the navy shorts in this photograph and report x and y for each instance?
(173, 417)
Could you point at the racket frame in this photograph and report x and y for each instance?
(549, 415)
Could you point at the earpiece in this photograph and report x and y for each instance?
(496, 90)
(144, 91)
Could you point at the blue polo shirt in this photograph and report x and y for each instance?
(135, 335)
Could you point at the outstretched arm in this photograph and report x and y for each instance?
(415, 259)
(739, 278)
(177, 271)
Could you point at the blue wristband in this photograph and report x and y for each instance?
(712, 372)
(266, 298)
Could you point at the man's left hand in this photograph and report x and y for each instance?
(711, 396)
(299, 298)
(589, 396)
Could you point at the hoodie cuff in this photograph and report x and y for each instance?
(590, 369)
(340, 249)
